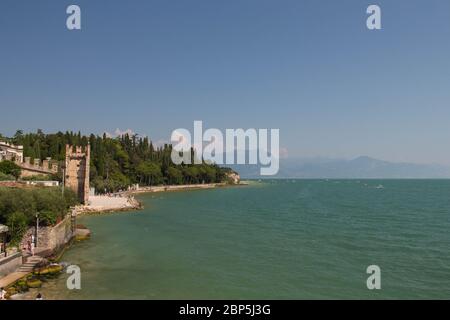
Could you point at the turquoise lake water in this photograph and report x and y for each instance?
(277, 239)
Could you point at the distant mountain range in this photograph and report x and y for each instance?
(358, 168)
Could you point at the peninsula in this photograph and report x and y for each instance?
(47, 180)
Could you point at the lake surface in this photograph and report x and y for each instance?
(277, 239)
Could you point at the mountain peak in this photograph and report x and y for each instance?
(357, 168)
(365, 158)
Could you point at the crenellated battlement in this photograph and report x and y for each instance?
(11, 152)
(47, 166)
(77, 171)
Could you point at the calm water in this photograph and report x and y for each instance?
(288, 239)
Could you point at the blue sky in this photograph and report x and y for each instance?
(310, 68)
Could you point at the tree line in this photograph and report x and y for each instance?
(117, 163)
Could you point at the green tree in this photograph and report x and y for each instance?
(118, 162)
(174, 175)
(9, 167)
(191, 174)
(17, 224)
(149, 172)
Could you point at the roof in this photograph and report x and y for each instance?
(3, 228)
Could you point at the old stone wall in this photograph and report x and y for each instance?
(10, 263)
(46, 167)
(56, 237)
(51, 239)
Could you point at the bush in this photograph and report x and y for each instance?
(18, 207)
(10, 168)
(17, 223)
(47, 218)
(6, 177)
(39, 177)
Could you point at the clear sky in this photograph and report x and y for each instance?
(310, 68)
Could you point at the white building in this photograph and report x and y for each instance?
(11, 152)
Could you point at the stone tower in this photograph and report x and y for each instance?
(77, 171)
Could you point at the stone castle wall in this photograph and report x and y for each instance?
(77, 171)
(76, 166)
(14, 153)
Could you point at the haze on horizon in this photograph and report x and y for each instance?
(310, 68)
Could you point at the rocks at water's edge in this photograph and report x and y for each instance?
(34, 283)
(35, 280)
(233, 177)
(82, 234)
(49, 271)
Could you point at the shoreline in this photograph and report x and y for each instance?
(103, 204)
(125, 201)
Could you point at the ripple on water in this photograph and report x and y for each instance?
(273, 239)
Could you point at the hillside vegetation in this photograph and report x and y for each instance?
(119, 162)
